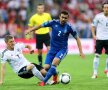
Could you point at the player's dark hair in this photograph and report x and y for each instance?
(105, 2)
(64, 12)
(7, 37)
(40, 4)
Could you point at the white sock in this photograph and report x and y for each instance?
(96, 64)
(37, 73)
(106, 63)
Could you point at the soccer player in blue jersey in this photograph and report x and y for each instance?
(59, 43)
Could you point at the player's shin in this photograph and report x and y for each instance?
(40, 59)
(37, 73)
(106, 68)
(106, 63)
(96, 63)
(50, 72)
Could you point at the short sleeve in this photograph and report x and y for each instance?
(73, 31)
(21, 46)
(3, 58)
(31, 22)
(95, 21)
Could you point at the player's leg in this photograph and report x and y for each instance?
(49, 58)
(99, 46)
(24, 73)
(48, 61)
(39, 46)
(106, 67)
(35, 70)
(106, 52)
(40, 56)
(52, 71)
(47, 65)
(41, 69)
(46, 41)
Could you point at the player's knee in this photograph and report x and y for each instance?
(97, 55)
(46, 67)
(56, 61)
(29, 67)
(43, 72)
(40, 52)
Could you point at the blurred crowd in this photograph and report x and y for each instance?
(81, 12)
(13, 17)
(14, 14)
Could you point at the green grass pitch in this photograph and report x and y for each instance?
(79, 69)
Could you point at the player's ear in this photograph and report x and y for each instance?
(59, 15)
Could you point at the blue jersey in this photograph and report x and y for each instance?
(60, 34)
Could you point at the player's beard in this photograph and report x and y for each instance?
(106, 13)
(63, 22)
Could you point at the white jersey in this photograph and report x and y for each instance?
(15, 58)
(101, 23)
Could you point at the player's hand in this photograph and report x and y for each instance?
(32, 51)
(94, 37)
(1, 83)
(27, 32)
(82, 55)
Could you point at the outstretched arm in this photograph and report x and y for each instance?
(80, 47)
(28, 31)
(2, 73)
(30, 49)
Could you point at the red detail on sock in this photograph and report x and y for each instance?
(55, 78)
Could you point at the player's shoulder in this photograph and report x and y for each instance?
(19, 44)
(54, 21)
(34, 15)
(69, 24)
(99, 15)
(46, 14)
(3, 52)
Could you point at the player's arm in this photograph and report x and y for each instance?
(75, 35)
(94, 25)
(32, 29)
(30, 49)
(79, 46)
(2, 73)
(93, 32)
(45, 24)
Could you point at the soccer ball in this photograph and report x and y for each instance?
(65, 78)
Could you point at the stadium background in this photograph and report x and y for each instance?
(14, 16)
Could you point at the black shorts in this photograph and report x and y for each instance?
(23, 73)
(100, 44)
(42, 39)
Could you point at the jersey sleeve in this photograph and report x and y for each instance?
(31, 22)
(73, 31)
(48, 24)
(21, 46)
(95, 21)
(3, 58)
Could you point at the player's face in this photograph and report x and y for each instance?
(11, 43)
(63, 18)
(40, 9)
(105, 9)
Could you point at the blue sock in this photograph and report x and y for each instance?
(50, 72)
